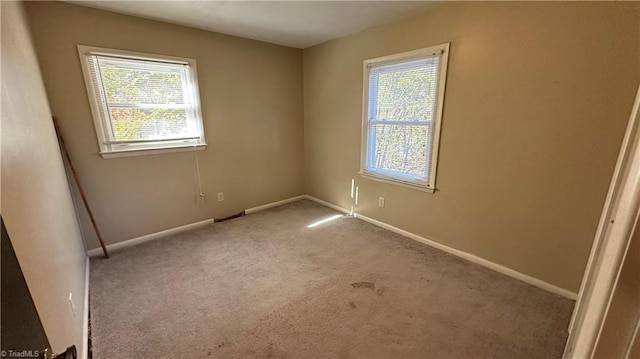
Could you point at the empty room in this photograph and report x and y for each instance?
(320, 179)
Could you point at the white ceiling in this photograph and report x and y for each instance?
(292, 23)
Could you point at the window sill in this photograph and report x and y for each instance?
(385, 179)
(150, 151)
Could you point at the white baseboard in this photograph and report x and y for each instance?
(468, 256)
(274, 204)
(150, 237)
(85, 327)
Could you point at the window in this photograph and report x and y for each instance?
(142, 103)
(403, 97)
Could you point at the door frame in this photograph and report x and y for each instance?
(618, 219)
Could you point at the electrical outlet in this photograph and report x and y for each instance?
(380, 201)
(73, 306)
(201, 198)
(220, 196)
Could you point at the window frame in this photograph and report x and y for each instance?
(365, 151)
(138, 148)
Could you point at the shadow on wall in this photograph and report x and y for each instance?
(21, 326)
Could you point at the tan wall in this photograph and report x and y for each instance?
(537, 99)
(37, 207)
(251, 95)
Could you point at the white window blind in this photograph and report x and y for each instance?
(402, 117)
(142, 101)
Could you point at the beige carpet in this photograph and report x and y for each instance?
(266, 286)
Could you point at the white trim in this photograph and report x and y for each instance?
(442, 78)
(614, 187)
(150, 237)
(456, 252)
(609, 246)
(390, 180)
(468, 256)
(153, 236)
(634, 338)
(126, 54)
(85, 326)
(109, 150)
(273, 204)
(475, 259)
(441, 50)
(151, 151)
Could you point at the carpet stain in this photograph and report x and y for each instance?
(352, 305)
(367, 285)
(380, 291)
